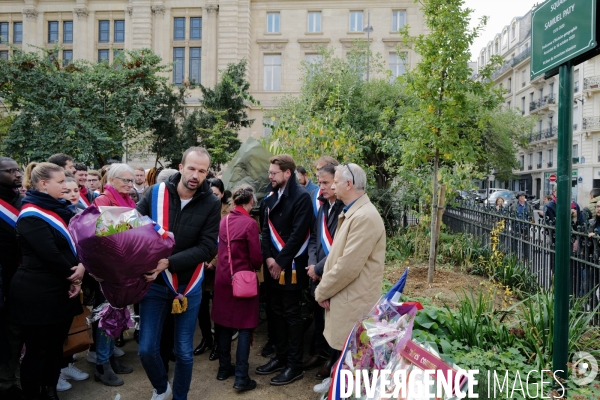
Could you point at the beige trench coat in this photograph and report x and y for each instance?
(353, 272)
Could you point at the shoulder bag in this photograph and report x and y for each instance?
(244, 283)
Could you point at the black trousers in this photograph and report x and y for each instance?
(11, 344)
(43, 357)
(318, 344)
(204, 321)
(271, 326)
(289, 325)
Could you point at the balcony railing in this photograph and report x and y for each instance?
(539, 166)
(591, 83)
(547, 133)
(542, 102)
(520, 57)
(530, 167)
(550, 164)
(505, 66)
(575, 160)
(591, 123)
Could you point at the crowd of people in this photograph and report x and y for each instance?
(324, 241)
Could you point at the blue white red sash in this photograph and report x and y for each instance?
(8, 213)
(326, 238)
(279, 244)
(31, 210)
(84, 201)
(160, 214)
(316, 202)
(268, 195)
(336, 382)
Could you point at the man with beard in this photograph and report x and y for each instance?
(10, 254)
(86, 197)
(186, 206)
(139, 180)
(319, 245)
(286, 218)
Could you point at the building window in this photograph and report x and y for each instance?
(575, 150)
(513, 32)
(53, 32)
(398, 20)
(397, 64)
(195, 28)
(4, 38)
(195, 62)
(17, 32)
(530, 159)
(179, 29)
(313, 58)
(178, 65)
(4, 55)
(504, 39)
(356, 21)
(575, 118)
(540, 159)
(272, 72)
(550, 156)
(103, 55)
(509, 85)
(67, 57)
(314, 21)
(67, 31)
(496, 48)
(522, 162)
(273, 22)
(509, 105)
(103, 31)
(523, 105)
(119, 31)
(117, 53)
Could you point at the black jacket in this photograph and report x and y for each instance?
(196, 227)
(39, 290)
(316, 253)
(291, 216)
(10, 253)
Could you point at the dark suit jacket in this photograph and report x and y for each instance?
(291, 216)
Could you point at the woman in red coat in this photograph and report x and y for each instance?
(230, 313)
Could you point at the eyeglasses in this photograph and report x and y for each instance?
(348, 166)
(125, 181)
(274, 173)
(12, 170)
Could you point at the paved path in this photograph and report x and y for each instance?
(204, 382)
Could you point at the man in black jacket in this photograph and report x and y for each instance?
(321, 239)
(10, 254)
(193, 217)
(286, 217)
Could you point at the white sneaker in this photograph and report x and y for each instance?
(62, 385)
(91, 357)
(163, 396)
(118, 352)
(72, 372)
(323, 387)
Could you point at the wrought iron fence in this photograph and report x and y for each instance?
(532, 240)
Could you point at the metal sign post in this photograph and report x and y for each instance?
(563, 32)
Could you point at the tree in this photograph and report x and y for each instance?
(451, 108)
(87, 110)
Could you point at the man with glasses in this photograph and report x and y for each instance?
(10, 343)
(186, 206)
(93, 182)
(353, 273)
(286, 216)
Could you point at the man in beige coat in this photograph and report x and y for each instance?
(353, 274)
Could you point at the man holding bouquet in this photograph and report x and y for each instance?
(186, 206)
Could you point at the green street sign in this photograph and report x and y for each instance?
(560, 31)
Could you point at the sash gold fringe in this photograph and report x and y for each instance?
(184, 304)
(294, 279)
(282, 278)
(176, 307)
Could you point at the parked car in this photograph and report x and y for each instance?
(508, 196)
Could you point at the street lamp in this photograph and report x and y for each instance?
(368, 29)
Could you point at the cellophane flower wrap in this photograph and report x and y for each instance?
(118, 246)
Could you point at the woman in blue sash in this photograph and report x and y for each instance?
(44, 295)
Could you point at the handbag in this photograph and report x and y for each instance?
(80, 334)
(244, 283)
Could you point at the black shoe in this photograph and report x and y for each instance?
(118, 367)
(225, 373)
(204, 344)
(273, 365)
(313, 362)
(50, 393)
(268, 351)
(248, 385)
(324, 371)
(288, 376)
(120, 341)
(213, 354)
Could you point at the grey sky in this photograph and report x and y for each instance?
(500, 13)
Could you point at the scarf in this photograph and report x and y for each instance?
(123, 200)
(64, 209)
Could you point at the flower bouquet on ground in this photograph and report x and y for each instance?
(118, 246)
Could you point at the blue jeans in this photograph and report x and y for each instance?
(105, 347)
(154, 308)
(223, 335)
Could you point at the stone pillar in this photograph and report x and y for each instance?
(81, 44)
(141, 24)
(30, 28)
(208, 76)
(160, 41)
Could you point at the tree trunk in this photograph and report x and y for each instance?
(440, 213)
(434, 218)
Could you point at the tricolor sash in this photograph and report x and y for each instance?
(279, 244)
(160, 214)
(336, 382)
(31, 210)
(316, 202)
(326, 239)
(268, 195)
(8, 213)
(84, 201)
